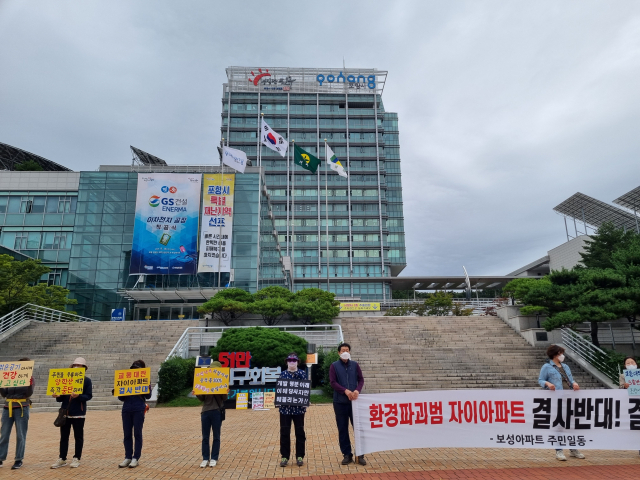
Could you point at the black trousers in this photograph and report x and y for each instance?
(78, 435)
(285, 435)
(344, 414)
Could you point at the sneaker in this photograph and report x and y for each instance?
(0, 464)
(134, 463)
(347, 459)
(75, 463)
(560, 456)
(361, 460)
(300, 462)
(576, 453)
(213, 463)
(17, 465)
(204, 463)
(59, 463)
(284, 462)
(125, 463)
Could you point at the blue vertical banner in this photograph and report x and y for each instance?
(118, 314)
(165, 233)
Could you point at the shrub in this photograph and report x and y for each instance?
(269, 347)
(175, 375)
(227, 305)
(325, 359)
(272, 303)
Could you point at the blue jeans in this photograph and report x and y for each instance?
(211, 420)
(21, 419)
(132, 422)
(344, 413)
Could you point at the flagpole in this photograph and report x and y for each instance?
(293, 217)
(326, 207)
(259, 157)
(219, 224)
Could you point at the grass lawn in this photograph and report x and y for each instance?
(184, 401)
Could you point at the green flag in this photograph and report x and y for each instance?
(305, 159)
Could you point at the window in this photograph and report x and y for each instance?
(26, 203)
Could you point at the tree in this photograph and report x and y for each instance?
(227, 305)
(28, 166)
(439, 303)
(599, 249)
(313, 305)
(19, 286)
(458, 310)
(272, 303)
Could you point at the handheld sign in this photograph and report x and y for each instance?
(257, 400)
(294, 393)
(242, 401)
(208, 381)
(269, 399)
(632, 377)
(65, 381)
(15, 374)
(133, 381)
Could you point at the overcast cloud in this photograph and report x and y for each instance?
(505, 108)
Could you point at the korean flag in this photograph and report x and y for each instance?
(272, 140)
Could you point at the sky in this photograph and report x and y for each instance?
(505, 108)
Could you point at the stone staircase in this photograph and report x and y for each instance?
(107, 346)
(400, 354)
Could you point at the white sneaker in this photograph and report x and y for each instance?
(213, 463)
(576, 453)
(125, 463)
(59, 463)
(560, 456)
(134, 463)
(75, 463)
(204, 463)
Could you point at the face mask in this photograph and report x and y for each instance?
(631, 367)
(561, 358)
(292, 366)
(345, 355)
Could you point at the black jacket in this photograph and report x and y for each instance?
(78, 406)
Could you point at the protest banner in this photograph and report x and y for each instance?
(65, 381)
(15, 374)
(359, 307)
(133, 381)
(295, 393)
(632, 377)
(207, 381)
(242, 401)
(269, 400)
(586, 419)
(257, 400)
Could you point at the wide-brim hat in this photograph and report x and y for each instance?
(80, 361)
(216, 364)
(293, 356)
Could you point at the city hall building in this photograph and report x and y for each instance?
(160, 239)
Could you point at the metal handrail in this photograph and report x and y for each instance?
(588, 352)
(36, 313)
(181, 348)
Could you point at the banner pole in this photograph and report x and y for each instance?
(219, 224)
(293, 215)
(326, 206)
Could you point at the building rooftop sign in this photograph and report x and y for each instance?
(306, 80)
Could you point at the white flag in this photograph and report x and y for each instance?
(334, 163)
(235, 159)
(272, 140)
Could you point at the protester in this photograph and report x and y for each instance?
(347, 381)
(15, 398)
(76, 407)
(629, 364)
(555, 375)
(290, 414)
(133, 410)
(211, 419)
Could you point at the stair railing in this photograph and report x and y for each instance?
(35, 313)
(589, 352)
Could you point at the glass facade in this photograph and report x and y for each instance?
(363, 213)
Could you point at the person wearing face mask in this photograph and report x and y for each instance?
(629, 364)
(347, 381)
(289, 414)
(555, 375)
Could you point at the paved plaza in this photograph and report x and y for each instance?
(250, 450)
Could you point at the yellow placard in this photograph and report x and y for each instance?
(359, 307)
(207, 381)
(242, 401)
(269, 399)
(65, 381)
(15, 374)
(312, 359)
(133, 381)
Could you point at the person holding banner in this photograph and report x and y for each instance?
(347, 381)
(629, 364)
(555, 375)
(289, 414)
(134, 408)
(76, 407)
(16, 410)
(211, 419)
